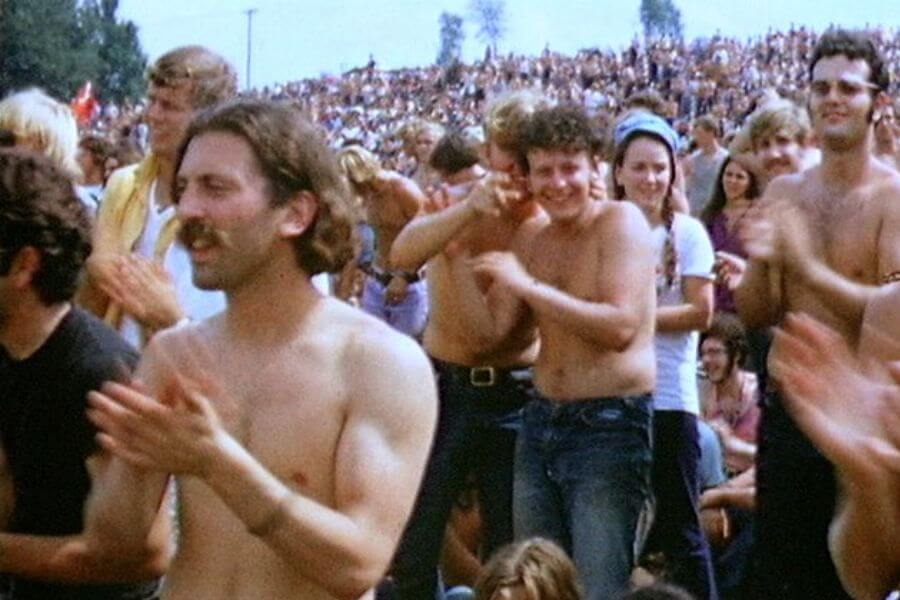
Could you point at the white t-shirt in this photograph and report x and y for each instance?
(197, 304)
(676, 352)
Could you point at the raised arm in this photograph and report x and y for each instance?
(758, 297)
(428, 234)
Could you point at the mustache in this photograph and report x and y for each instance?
(194, 230)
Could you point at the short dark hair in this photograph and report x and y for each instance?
(855, 45)
(40, 209)
(453, 153)
(566, 128)
(709, 123)
(293, 156)
(98, 146)
(728, 329)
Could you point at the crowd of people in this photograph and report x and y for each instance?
(605, 326)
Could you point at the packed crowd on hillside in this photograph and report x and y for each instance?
(617, 325)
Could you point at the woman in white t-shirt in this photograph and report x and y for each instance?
(644, 170)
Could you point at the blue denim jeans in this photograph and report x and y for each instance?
(583, 481)
(676, 527)
(476, 433)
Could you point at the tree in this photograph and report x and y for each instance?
(452, 36)
(490, 15)
(661, 18)
(122, 62)
(59, 44)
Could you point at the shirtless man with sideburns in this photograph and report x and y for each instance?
(588, 280)
(852, 203)
(481, 376)
(298, 427)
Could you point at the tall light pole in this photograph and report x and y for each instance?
(249, 13)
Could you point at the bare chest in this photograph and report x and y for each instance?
(566, 264)
(845, 231)
(288, 414)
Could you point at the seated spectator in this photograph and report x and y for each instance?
(729, 395)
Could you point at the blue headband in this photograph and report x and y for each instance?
(645, 122)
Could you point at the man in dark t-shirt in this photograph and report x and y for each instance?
(58, 493)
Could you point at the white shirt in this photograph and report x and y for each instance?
(676, 352)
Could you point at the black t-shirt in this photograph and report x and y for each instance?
(46, 438)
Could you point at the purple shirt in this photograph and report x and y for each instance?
(725, 241)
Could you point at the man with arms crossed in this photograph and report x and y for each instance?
(139, 280)
(588, 279)
(298, 426)
(851, 201)
(58, 534)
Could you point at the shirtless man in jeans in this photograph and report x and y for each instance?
(851, 202)
(588, 281)
(481, 377)
(298, 427)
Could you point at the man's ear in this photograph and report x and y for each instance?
(301, 212)
(25, 264)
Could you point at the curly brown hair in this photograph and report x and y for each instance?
(40, 209)
(293, 156)
(565, 128)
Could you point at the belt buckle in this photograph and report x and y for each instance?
(482, 376)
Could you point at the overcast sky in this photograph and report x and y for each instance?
(305, 38)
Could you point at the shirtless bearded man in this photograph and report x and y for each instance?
(588, 280)
(297, 426)
(851, 201)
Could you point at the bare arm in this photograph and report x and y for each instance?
(380, 456)
(611, 319)
(427, 235)
(758, 297)
(695, 314)
(114, 546)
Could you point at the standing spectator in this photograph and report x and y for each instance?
(734, 193)
(644, 172)
(59, 536)
(139, 281)
(702, 166)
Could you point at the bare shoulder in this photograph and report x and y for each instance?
(370, 349)
(887, 187)
(622, 217)
(788, 187)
